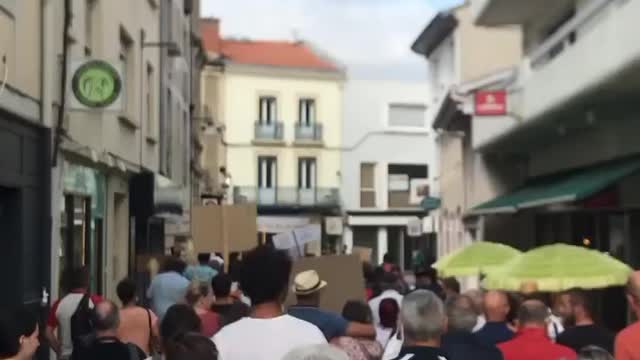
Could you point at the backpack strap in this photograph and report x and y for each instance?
(133, 352)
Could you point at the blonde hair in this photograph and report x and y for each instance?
(196, 291)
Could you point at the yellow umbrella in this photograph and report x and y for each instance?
(560, 267)
(479, 257)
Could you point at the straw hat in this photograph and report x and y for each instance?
(307, 282)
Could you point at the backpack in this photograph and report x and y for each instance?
(82, 334)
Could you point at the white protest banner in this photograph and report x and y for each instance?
(298, 237)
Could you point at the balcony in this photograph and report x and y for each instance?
(309, 133)
(591, 62)
(287, 196)
(269, 132)
(510, 12)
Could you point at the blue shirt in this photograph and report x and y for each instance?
(494, 333)
(331, 324)
(202, 273)
(165, 290)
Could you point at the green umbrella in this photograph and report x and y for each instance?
(479, 257)
(560, 267)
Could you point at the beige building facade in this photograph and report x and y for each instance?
(464, 58)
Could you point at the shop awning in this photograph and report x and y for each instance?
(430, 203)
(568, 187)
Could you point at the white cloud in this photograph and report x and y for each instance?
(373, 36)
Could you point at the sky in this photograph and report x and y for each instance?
(371, 37)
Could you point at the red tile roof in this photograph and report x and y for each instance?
(273, 53)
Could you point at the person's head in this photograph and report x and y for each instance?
(561, 305)
(477, 296)
(594, 353)
(18, 333)
(174, 264)
(461, 314)
(308, 286)
(221, 285)
(106, 318)
(633, 292)
(357, 311)
(388, 311)
(426, 276)
(126, 291)
(390, 281)
(264, 275)
(79, 278)
(387, 258)
(190, 345)
(179, 319)
(496, 305)
(199, 295)
(581, 306)
(204, 258)
(316, 352)
(423, 317)
(533, 313)
(451, 286)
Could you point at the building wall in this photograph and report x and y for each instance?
(240, 109)
(20, 34)
(484, 50)
(368, 137)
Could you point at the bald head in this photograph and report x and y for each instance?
(106, 317)
(533, 313)
(496, 306)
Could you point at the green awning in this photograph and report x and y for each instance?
(430, 203)
(568, 187)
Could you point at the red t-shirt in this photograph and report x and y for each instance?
(534, 344)
(210, 323)
(626, 346)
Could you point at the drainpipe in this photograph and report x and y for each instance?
(59, 131)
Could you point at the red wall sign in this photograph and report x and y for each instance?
(491, 103)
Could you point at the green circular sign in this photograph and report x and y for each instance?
(96, 84)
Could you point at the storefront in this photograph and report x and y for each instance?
(82, 223)
(25, 190)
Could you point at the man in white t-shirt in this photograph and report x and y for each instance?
(58, 331)
(268, 333)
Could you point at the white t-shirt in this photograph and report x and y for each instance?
(251, 339)
(374, 303)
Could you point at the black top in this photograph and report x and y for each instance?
(230, 313)
(467, 346)
(422, 353)
(495, 333)
(110, 348)
(578, 337)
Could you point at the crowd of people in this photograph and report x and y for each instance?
(200, 312)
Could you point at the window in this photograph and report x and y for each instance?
(168, 131)
(268, 110)
(307, 112)
(367, 185)
(149, 102)
(306, 173)
(403, 180)
(407, 115)
(267, 172)
(127, 63)
(89, 23)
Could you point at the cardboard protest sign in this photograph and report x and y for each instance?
(343, 274)
(364, 253)
(215, 226)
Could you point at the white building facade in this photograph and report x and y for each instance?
(388, 161)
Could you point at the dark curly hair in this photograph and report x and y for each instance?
(15, 323)
(264, 274)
